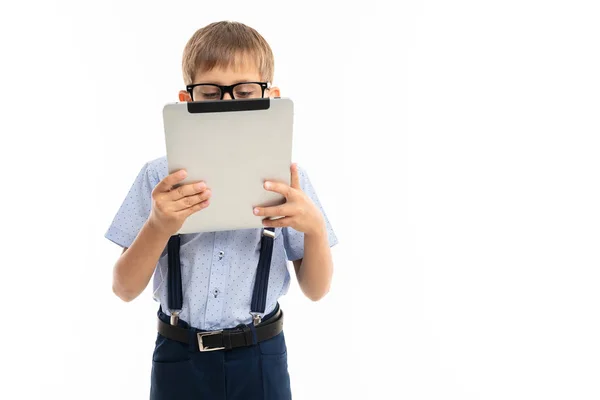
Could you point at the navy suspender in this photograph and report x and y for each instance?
(261, 284)
(175, 291)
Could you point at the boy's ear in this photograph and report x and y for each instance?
(184, 96)
(274, 92)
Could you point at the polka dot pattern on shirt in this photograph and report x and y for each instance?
(218, 268)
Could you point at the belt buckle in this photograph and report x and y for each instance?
(201, 342)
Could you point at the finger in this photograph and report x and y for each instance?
(284, 210)
(278, 187)
(186, 190)
(170, 180)
(190, 201)
(195, 208)
(295, 181)
(278, 223)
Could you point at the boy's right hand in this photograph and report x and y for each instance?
(170, 207)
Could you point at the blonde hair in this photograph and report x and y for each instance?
(226, 44)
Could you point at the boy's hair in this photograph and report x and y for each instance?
(226, 44)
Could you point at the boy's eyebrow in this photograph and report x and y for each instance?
(246, 80)
(218, 82)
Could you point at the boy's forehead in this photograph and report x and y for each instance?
(228, 75)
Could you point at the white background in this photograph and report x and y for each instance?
(454, 146)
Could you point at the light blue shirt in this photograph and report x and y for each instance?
(218, 268)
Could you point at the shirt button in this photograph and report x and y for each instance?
(216, 292)
(221, 254)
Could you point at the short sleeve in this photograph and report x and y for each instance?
(294, 240)
(134, 210)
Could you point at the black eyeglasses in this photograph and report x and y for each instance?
(242, 90)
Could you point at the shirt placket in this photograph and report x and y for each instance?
(217, 281)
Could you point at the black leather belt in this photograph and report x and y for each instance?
(227, 339)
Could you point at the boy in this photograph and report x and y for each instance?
(223, 60)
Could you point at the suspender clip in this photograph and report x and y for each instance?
(175, 317)
(256, 318)
(268, 232)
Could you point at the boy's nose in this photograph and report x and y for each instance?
(227, 96)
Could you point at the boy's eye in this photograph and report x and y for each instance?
(206, 93)
(211, 93)
(249, 90)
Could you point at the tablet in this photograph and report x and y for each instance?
(233, 146)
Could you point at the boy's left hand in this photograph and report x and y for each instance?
(298, 212)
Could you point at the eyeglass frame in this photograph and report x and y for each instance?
(227, 88)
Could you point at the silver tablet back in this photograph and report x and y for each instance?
(234, 146)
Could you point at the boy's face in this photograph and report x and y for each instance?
(226, 77)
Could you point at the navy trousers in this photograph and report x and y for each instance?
(250, 373)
